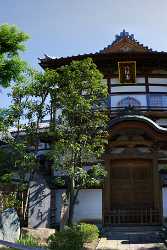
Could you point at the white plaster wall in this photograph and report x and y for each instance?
(117, 98)
(162, 122)
(88, 205)
(157, 80)
(157, 89)
(164, 193)
(132, 88)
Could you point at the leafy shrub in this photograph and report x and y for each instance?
(89, 232)
(73, 237)
(70, 238)
(28, 240)
(8, 200)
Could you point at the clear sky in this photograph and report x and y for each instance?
(70, 27)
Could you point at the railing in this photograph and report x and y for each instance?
(143, 101)
(133, 216)
(138, 108)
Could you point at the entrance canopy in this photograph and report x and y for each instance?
(132, 190)
(137, 125)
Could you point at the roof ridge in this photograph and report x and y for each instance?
(124, 34)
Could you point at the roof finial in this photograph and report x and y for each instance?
(122, 34)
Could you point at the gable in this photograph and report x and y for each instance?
(125, 43)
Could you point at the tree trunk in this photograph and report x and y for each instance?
(73, 196)
(71, 203)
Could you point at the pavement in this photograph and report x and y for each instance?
(131, 239)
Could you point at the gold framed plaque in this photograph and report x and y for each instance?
(127, 72)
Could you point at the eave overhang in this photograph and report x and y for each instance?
(147, 59)
(140, 119)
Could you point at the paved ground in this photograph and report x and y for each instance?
(131, 240)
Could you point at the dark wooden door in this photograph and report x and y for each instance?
(131, 193)
(131, 184)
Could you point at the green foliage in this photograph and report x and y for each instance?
(73, 98)
(28, 240)
(68, 239)
(81, 94)
(89, 232)
(11, 44)
(73, 237)
(16, 158)
(9, 200)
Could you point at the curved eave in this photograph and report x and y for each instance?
(139, 118)
(155, 58)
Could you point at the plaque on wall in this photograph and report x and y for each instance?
(127, 72)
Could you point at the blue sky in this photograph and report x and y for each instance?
(70, 27)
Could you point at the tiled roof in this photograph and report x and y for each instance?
(123, 43)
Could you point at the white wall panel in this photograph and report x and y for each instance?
(89, 205)
(132, 88)
(158, 89)
(157, 80)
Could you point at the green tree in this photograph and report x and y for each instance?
(11, 44)
(12, 68)
(73, 99)
(13, 154)
(80, 137)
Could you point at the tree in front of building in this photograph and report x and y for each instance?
(80, 137)
(72, 99)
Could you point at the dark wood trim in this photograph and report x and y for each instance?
(139, 84)
(146, 59)
(127, 84)
(109, 86)
(162, 161)
(157, 75)
(113, 76)
(137, 93)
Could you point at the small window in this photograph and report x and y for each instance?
(158, 100)
(129, 101)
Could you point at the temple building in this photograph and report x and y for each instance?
(135, 190)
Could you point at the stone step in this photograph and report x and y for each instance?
(132, 229)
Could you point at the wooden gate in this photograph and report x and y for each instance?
(132, 193)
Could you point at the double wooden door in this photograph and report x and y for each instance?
(131, 193)
(131, 184)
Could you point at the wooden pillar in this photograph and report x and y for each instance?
(109, 85)
(147, 92)
(106, 195)
(157, 184)
(155, 181)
